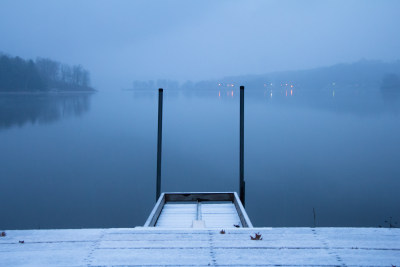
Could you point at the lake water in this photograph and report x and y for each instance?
(80, 160)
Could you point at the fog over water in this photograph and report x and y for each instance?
(322, 109)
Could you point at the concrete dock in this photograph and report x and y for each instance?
(152, 246)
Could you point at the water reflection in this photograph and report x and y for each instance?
(21, 109)
(367, 102)
(390, 89)
(228, 93)
(306, 155)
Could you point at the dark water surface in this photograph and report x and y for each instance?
(89, 160)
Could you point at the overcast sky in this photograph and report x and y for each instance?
(120, 41)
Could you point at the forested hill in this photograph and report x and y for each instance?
(362, 74)
(20, 75)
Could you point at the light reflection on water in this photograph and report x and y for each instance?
(92, 163)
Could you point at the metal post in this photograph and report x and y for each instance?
(159, 139)
(241, 171)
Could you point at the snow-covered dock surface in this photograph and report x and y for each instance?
(194, 247)
(176, 215)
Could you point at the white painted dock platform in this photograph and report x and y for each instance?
(153, 246)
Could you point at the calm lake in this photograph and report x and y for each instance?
(78, 160)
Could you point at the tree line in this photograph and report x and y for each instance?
(172, 85)
(43, 74)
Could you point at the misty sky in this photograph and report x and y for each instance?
(121, 41)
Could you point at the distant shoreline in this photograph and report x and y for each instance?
(47, 92)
